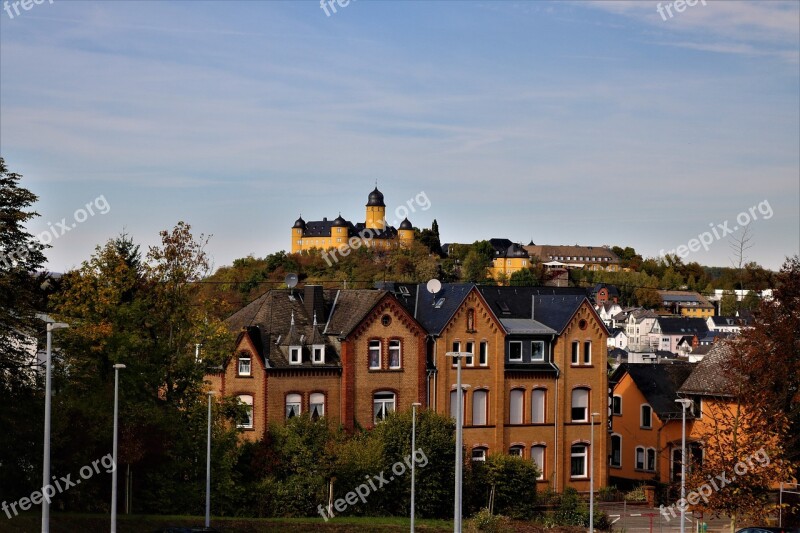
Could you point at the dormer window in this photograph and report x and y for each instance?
(244, 364)
(318, 351)
(295, 355)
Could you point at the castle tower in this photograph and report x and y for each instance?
(376, 211)
(297, 234)
(405, 232)
(339, 233)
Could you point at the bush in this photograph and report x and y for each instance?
(486, 521)
(513, 481)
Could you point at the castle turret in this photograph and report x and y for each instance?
(376, 211)
(297, 234)
(338, 231)
(405, 232)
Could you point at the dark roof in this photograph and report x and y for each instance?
(659, 383)
(726, 321)
(322, 228)
(376, 198)
(710, 375)
(552, 306)
(613, 332)
(406, 224)
(435, 311)
(506, 248)
(349, 309)
(683, 326)
(612, 290)
(299, 223)
(339, 221)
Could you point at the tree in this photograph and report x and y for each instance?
(728, 303)
(21, 256)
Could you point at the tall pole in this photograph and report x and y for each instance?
(459, 442)
(591, 476)
(208, 465)
(117, 368)
(51, 326)
(684, 402)
(413, 461)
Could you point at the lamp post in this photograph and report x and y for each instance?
(413, 448)
(208, 464)
(591, 476)
(51, 326)
(117, 368)
(459, 439)
(685, 403)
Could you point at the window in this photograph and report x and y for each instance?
(515, 351)
(244, 364)
(616, 405)
(515, 450)
(479, 454)
(317, 405)
(395, 353)
(247, 401)
(616, 450)
(457, 349)
(639, 458)
(580, 405)
(454, 405)
(480, 401)
(383, 404)
(537, 351)
(295, 355)
(697, 407)
(318, 354)
(293, 402)
(537, 455)
(516, 399)
(587, 353)
(537, 406)
(651, 459)
(469, 360)
(578, 458)
(576, 348)
(374, 354)
(646, 420)
(483, 353)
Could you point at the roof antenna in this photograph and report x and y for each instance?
(315, 318)
(292, 317)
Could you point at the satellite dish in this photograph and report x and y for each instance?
(291, 280)
(434, 286)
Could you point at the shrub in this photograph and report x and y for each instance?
(486, 521)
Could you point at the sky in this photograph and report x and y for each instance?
(571, 122)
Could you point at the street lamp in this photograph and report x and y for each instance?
(413, 461)
(208, 465)
(591, 476)
(685, 403)
(51, 326)
(117, 368)
(459, 438)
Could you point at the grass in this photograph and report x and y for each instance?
(69, 523)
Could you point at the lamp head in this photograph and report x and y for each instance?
(119, 366)
(685, 402)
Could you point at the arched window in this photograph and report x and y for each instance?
(538, 457)
(479, 454)
(578, 460)
(538, 397)
(515, 450)
(316, 404)
(580, 405)
(647, 417)
(247, 400)
(293, 405)
(516, 401)
(480, 404)
(640, 458)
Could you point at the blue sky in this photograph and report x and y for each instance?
(561, 122)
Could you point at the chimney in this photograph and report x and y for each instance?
(313, 302)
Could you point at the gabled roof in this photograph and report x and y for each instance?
(695, 298)
(612, 290)
(726, 321)
(551, 306)
(506, 248)
(349, 309)
(658, 383)
(683, 326)
(434, 311)
(710, 376)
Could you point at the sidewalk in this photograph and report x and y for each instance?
(639, 518)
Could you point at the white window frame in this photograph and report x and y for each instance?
(456, 349)
(395, 348)
(479, 454)
(483, 353)
(371, 349)
(611, 462)
(585, 408)
(383, 402)
(541, 467)
(478, 396)
(247, 399)
(516, 397)
(517, 450)
(576, 353)
(636, 464)
(318, 354)
(587, 353)
(242, 358)
(543, 355)
(539, 415)
(469, 347)
(316, 399)
(514, 343)
(641, 416)
(573, 454)
(295, 355)
(295, 401)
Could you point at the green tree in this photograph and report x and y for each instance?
(728, 304)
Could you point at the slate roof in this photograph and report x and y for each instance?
(423, 306)
(349, 309)
(551, 306)
(506, 248)
(710, 375)
(525, 326)
(726, 321)
(612, 290)
(683, 326)
(684, 296)
(659, 383)
(547, 252)
(613, 332)
(322, 228)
